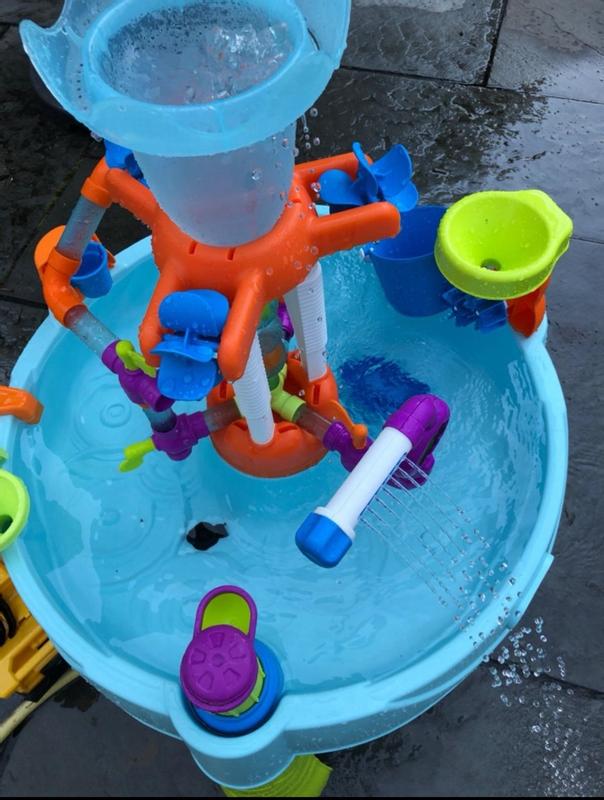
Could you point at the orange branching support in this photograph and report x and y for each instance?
(250, 275)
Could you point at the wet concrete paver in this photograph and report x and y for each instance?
(449, 39)
(555, 47)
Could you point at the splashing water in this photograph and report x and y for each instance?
(195, 54)
(531, 677)
(306, 140)
(435, 539)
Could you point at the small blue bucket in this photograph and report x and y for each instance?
(405, 265)
(93, 277)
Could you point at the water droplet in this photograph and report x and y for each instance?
(316, 141)
(314, 112)
(296, 152)
(285, 144)
(314, 250)
(256, 174)
(536, 729)
(316, 187)
(503, 566)
(307, 145)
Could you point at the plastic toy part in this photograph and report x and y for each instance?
(140, 387)
(338, 438)
(129, 106)
(119, 157)
(525, 314)
(20, 404)
(502, 245)
(224, 670)
(411, 433)
(188, 365)
(220, 668)
(14, 506)
(292, 449)
(485, 315)
(388, 179)
(25, 651)
(405, 265)
(306, 776)
(93, 277)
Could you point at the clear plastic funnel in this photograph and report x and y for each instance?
(197, 78)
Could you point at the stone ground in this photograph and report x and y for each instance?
(485, 94)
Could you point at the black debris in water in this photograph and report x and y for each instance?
(205, 535)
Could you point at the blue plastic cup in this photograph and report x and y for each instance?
(93, 277)
(405, 265)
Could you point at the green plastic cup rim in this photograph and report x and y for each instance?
(14, 508)
(502, 284)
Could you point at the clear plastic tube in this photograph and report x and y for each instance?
(218, 417)
(161, 421)
(312, 422)
(89, 330)
(97, 337)
(83, 222)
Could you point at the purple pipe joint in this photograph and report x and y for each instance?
(286, 321)
(140, 388)
(423, 419)
(339, 440)
(180, 440)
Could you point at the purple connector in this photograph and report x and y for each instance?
(140, 388)
(339, 440)
(180, 440)
(220, 667)
(286, 321)
(423, 419)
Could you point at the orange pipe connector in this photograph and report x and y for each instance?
(20, 404)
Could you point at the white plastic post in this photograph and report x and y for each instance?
(366, 479)
(306, 306)
(253, 397)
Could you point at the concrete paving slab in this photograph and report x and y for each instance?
(465, 139)
(450, 39)
(552, 46)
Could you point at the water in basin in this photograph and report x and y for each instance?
(111, 548)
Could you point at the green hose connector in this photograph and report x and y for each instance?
(306, 776)
(283, 403)
(14, 505)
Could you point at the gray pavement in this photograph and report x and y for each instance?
(484, 94)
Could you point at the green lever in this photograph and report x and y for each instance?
(14, 505)
(133, 360)
(134, 455)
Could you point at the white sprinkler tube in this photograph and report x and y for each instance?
(253, 397)
(306, 307)
(366, 479)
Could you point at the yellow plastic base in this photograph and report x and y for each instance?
(306, 776)
(24, 655)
